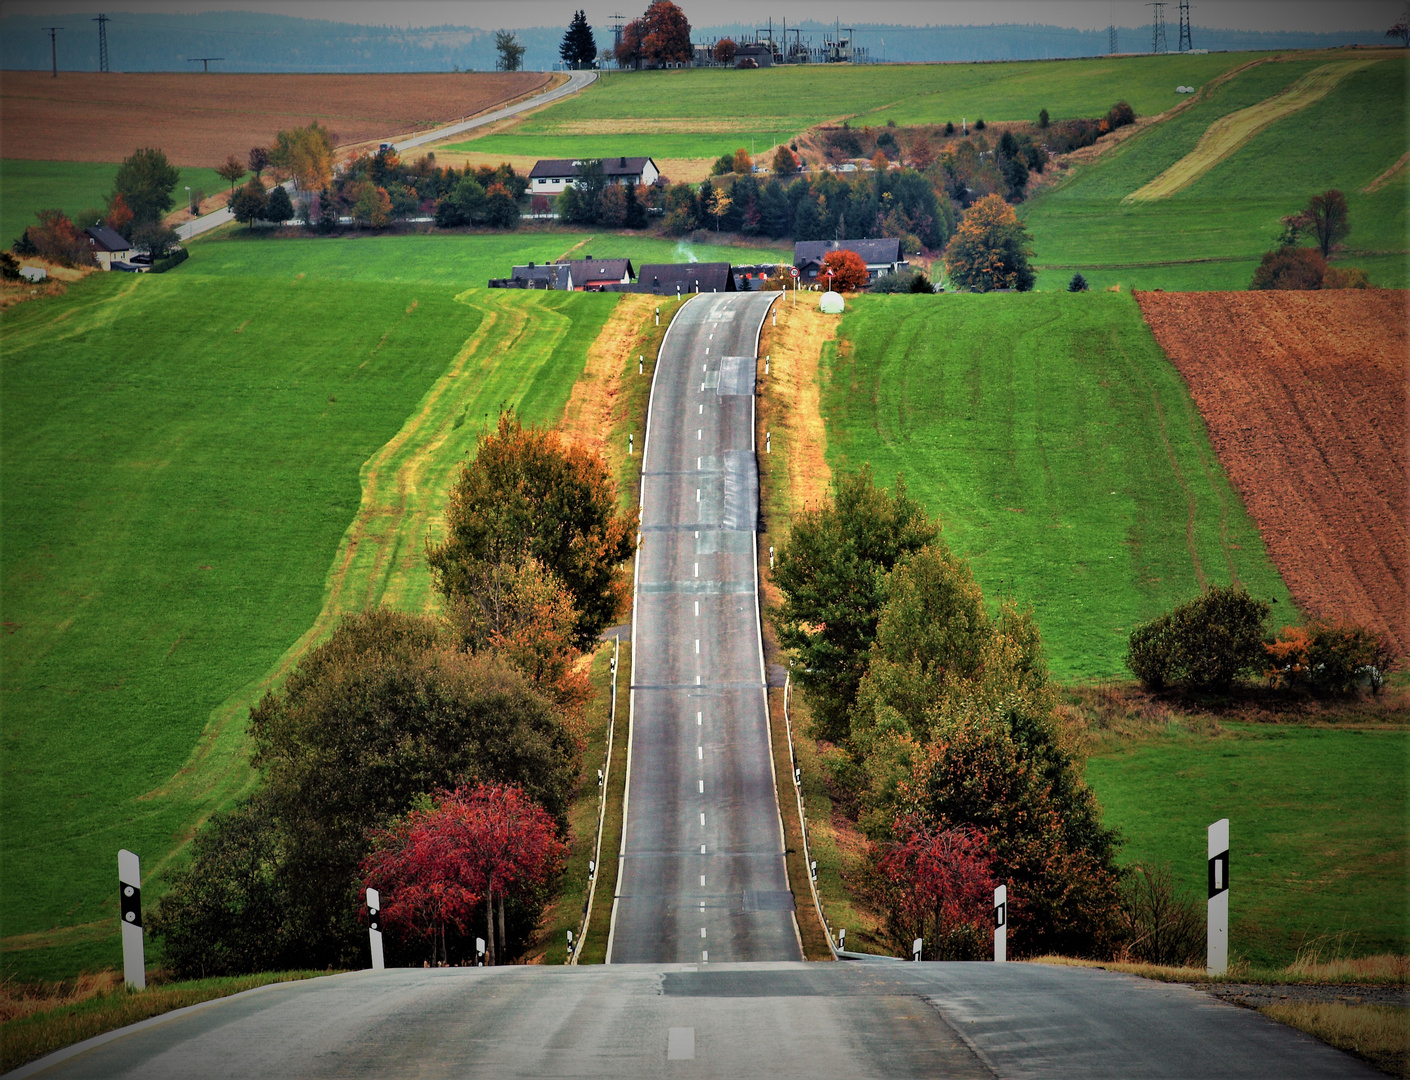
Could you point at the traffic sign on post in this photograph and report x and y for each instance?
(134, 964)
(1001, 924)
(1217, 952)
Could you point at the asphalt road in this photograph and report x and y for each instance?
(854, 1020)
(703, 876)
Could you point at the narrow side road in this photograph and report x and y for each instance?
(702, 874)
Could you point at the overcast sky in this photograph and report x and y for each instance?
(1305, 15)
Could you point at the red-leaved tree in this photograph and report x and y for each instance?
(434, 868)
(849, 271)
(936, 884)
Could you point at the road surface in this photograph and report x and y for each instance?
(577, 80)
(853, 1020)
(702, 873)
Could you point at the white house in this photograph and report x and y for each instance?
(552, 175)
(107, 245)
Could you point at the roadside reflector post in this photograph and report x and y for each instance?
(842, 939)
(631, 444)
(771, 556)
(768, 442)
(1217, 953)
(766, 363)
(658, 315)
(374, 928)
(592, 869)
(599, 777)
(641, 359)
(480, 952)
(798, 777)
(915, 949)
(134, 961)
(1001, 924)
(814, 869)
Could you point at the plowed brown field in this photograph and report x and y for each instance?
(197, 119)
(1304, 394)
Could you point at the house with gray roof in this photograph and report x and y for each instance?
(107, 245)
(882, 256)
(557, 276)
(552, 175)
(670, 279)
(594, 275)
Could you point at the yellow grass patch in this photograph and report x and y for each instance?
(1385, 967)
(685, 170)
(1378, 1033)
(587, 418)
(1227, 135)
(671, 125)
(521, 163)
(790, 394)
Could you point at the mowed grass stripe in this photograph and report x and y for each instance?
(1229, 134)
(1060, 449)
(181, 463)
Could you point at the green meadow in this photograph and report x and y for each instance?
(201, 471)
(1060, 449)
(699, 113)
(27, 187)
(1317, 815)
(1212, 233)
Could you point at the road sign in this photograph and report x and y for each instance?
(793, 270)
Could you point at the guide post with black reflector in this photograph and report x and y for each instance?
(1001, 924)
(1217, 953)
(374, 928)
(134, 962)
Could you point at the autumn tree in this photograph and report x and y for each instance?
(718, 205)
(832, 573)
(258, 158)
(306, 154)
(628, 50)
(1330, 223)
(1290, 268)
(530, 494)
(231, 171)
(935, 884)
(848, 271)
(990, 249)
(372, 206)
(146, 181)
(725, 49)
(665, 35)
(579, 47)
(785, 161)
(118, 216)
(55, 237)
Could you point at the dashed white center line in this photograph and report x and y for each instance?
(698, 432)
(697, 569)
(697, 646)
(699, 463)
(702, 881)
(702, 931)
(697, 494)
(702, 787)
(702, 819)
(698, 722)
(704, 956)
(702, 409)
(702, 849)
(697, 609)
(700, 756)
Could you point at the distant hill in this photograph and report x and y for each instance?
(252, 41)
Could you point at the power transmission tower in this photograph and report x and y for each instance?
(1112, 47)
(54, 48)
(1158, 42)
(1186, 44)
(102, 21)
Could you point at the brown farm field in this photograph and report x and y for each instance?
(1304, 394)
(197, 119)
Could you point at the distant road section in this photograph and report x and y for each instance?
(702, 874)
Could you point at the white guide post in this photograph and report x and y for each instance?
(374, 928)
(134, 965)
(916, 947)
(1218, 950)
(1001, 924)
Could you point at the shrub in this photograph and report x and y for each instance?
(920, 283)
(1159, 925)
(1353, 277)
(1042, 118)
(1121, 114)
(949, 127)
(1329, 656)
(1290, 268)
(9, 267)
(1204, 644)
(1077, 284)
(979, 124)
(908, 281)
(175, 259)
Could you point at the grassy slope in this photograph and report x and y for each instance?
(707, 112)
(198, 421)
(71, 186)
(1060, 449)
(1317, 823)
(1232, 213)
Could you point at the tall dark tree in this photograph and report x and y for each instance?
(579, 48)
(146, 181)
(1330, 221)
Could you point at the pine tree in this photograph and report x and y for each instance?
(579, 48)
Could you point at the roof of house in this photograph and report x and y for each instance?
(556, 168)
(586, 271)
(662, 278)
(874, 252)
(553, 275)
(106, 239)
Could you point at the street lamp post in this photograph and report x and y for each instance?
(189, 208)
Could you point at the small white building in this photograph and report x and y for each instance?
(33, 273)
(552, 175)
(107, 245)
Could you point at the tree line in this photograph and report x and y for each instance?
(433, 758)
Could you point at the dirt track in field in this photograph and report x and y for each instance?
(1304, 394)
(199, 119)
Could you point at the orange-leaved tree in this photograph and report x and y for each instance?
(849, 271)
(990, 249)
(666, 37)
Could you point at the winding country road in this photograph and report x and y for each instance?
(702, 872)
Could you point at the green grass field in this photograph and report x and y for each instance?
(200, 471)
(27, 187)
(1060, 449)
(699, 113)
(1317, 831)
(1211, 234)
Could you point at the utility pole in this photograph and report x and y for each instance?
(54, 48)
(1158, 42)
(102, 21)
(206, 60)
(1186, 44)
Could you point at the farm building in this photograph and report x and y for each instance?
(107, 245)
(882, 256)
(594, 275)
(542, 276)
(552, 175)
(668, 279)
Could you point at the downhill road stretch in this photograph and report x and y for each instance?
(702, 873)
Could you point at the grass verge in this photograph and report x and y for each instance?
(1378, 1034)
(42, 1020)
(594, 950)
